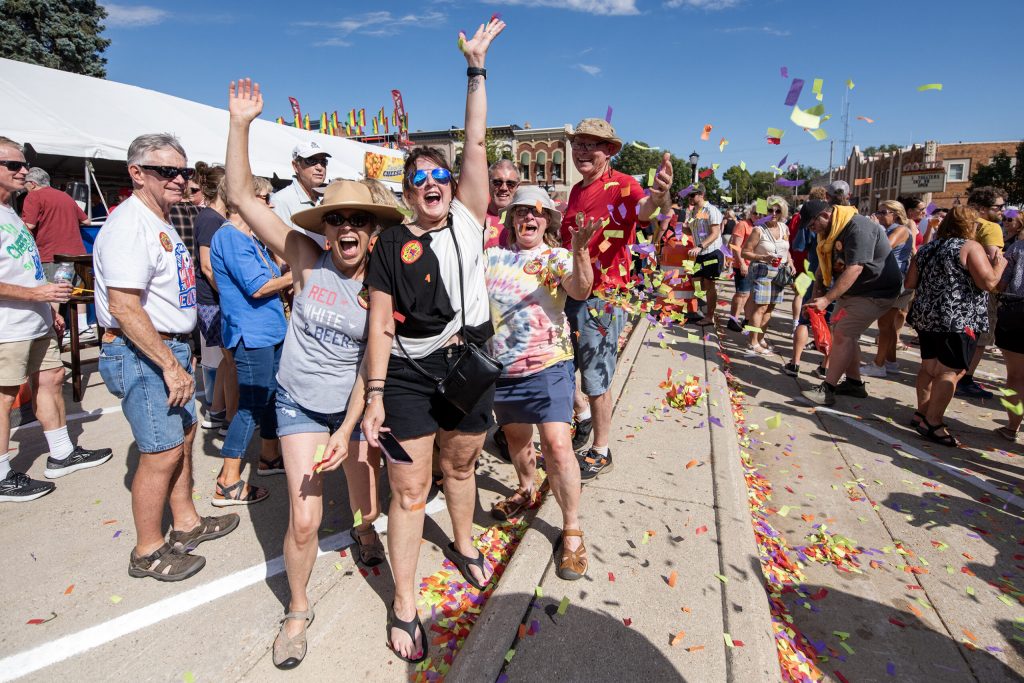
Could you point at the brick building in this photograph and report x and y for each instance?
(946, 167)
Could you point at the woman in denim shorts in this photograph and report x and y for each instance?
(320, 380)
(528, 280)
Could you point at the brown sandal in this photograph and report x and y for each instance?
(505, 510)
(574, 562)
(370, 554)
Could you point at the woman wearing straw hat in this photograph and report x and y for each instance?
(527, 283)
(320, 384)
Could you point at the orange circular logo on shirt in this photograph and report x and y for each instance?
(411, 252)
(364, 298)
(165, 242)
(533, 267)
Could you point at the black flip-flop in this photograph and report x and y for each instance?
(410, 629)
(463, 563)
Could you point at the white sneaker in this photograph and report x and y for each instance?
(892, 366)
(872, 370)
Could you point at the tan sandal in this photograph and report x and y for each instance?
(289, 651)
(505, 510)
(574, 562)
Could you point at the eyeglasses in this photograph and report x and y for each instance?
(170, 172)
(264, 197)
(497, 183)
(524, 211)
(313, 161)
(356, 220)
(15, 166)
(883, 212)
(441, 175)
(999, 207)
(586, 146)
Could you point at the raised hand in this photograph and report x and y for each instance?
(663, 178)
(245, 101)
(475, 48)
(581, 236)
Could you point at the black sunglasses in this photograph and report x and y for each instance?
(15, 166)
(356, 220)
(170, 172)
(510, 184)
(313, 161)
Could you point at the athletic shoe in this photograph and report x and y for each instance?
(971, 389)
(502, 443)
(820, 371)
(872, 370)
(80, 459)
(734, 325)
(892, 367)
(215, 420)
(791, 369)
(18, 488)
(592, 464)
(848, 388)
(581, 436)
(822, 395)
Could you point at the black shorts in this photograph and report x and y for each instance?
(412, 406)
(1010, 340)
(709, 266)
(952, 349)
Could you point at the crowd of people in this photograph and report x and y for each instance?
(351, 330)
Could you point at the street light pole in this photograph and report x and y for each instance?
(694, 159)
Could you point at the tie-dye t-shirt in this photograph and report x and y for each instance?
(531, 332)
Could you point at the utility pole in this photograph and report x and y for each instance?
(831, 148)
(846, 123)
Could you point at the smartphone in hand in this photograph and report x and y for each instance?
(392, 449)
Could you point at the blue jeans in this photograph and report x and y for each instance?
(257, 383)
(595, 341)
(132, 377)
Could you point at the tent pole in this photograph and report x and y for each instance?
(88, 192)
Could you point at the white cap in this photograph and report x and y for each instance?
(306, 150)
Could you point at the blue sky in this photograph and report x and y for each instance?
(666, 67)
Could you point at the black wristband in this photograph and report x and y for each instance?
(476, 71)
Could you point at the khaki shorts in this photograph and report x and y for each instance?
(903, 300)
(21, 359)
(988, 337)
(854, 314)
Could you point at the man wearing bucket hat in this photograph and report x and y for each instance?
(604, 194)
(320, 384)
(309, 161)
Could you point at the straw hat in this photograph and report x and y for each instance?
(598, 128)
(345, 194)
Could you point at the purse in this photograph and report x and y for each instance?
(783, 278)
(474, 372)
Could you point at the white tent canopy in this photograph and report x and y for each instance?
(79, 116)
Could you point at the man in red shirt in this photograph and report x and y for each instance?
(504, 179)
(596, 323)
(54, 218)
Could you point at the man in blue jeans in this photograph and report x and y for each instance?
(618, 200)
(146, 300)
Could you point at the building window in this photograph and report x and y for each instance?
(958, 170)
(524, 166)
(542, 160)
(556, 165)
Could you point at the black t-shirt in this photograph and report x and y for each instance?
(206, 224)
(728, 226)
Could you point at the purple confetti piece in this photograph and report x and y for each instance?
(622, 210)
(1010, 213)
(685, 191)
(608, 114)
(786, 182)
(784, 71)
(794, 92)
(715, 421)
(726, 251)
(890, 669)
(684, 355)
(931, 209)
(783, 162)
(503, 678)
(762, 220)
(117, 533)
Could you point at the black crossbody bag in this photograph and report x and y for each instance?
(474, 372)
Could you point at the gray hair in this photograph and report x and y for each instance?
(143, 145)
(7, 142)
(38, 176)
(503, 163)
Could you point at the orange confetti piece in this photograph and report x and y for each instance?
(427, 278)
(690, 464)
(916, 612)
(807, 518)
(967, 555)
(418, 506)
(522, 631)
(539, 207)
(706, 133)
(695, 648)
(624, 192)
(866, 119)
(67, 591)
(678, 638)
(110, 521)
(969, 634)
(672, 579)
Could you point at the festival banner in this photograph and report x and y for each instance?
(383, 167)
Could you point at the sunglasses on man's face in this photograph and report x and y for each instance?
(356, 220)
(170, 172)
(440, 175)
(586, 146)
(15, 166)
(497, 183)
(313, 161)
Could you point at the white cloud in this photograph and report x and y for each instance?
(588, 69)
(374, 24)
(333, 42)
(758, 29)
(133, 16)
(703, 4)
(604, 7)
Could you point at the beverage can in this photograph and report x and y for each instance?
(65, 273)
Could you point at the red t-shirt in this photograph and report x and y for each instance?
(614, 196)
(56, 218)
(494, 235)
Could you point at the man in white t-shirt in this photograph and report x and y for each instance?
(28, 345)
(309, 161)
(146, 299)
(706, 230)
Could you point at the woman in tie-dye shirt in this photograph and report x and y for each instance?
(528, 280)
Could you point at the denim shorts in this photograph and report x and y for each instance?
(139, 383)
(545, 396)
(294, 419)
(595, 341)
(743, 282)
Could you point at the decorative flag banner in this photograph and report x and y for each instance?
(929, 86)
(296, 111)
(849, 84)
(803, 119)
(706, 132)
(608, 114)
(784, 71)
(865, 119)
(794, 92)
(786, 182)
(816, 88)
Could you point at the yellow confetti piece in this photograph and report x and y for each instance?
(318, 456)
(751, 328)
(613, 183)
(604, 246)
(563, 606)
(726, 199)
(722, 578)
(115, 599)
(510, 654)
(721, 144)
(803, 281)
(539, 592)
(611, 234)
(849, 84)
(773, 422)
(776, 133)
(804, 119)
(357, 518)
(743, 165)
(1015, 408)
(728, 640)
(188, 677)
(650, 177)
(337, 566)
(929, 86)
(816, 87)
(761, 206)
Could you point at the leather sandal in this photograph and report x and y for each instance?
(513, 506)
(370, 554)
(928, 431)
(232, 495)
(410, 627)
(463, 563)
(290, 650)
(574, 562)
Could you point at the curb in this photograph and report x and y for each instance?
(745, 609)
(483, 654)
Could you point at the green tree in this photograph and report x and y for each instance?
(1002, 173)
(637, 159)
(60, 34)
(881, 149)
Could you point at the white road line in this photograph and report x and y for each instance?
(55, 651)
(957, 472)
(75, 416)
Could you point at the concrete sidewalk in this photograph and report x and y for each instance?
(674, 574)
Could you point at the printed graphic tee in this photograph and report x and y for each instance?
(20, 265)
